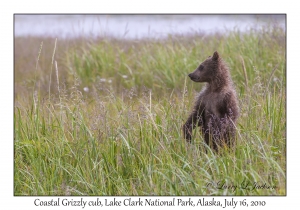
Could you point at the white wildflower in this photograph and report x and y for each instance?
(86, 89)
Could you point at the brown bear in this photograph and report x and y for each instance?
(216, 108)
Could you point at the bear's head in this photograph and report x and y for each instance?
(207, 70)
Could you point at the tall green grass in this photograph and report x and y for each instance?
(112, 125)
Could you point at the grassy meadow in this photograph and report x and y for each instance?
(103, 116)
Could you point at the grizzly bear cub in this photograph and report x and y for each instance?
(216, 108)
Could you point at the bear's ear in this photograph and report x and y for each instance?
(215, 56)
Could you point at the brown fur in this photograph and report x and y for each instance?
(216, 108)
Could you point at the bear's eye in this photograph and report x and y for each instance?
(201, 67)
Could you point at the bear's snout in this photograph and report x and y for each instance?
(192, 76)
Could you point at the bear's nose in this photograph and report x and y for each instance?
(190, 75)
